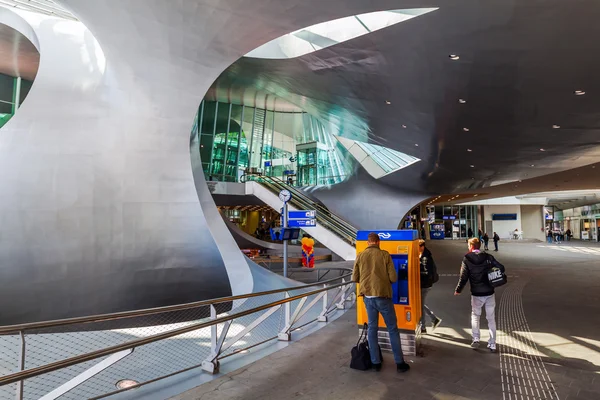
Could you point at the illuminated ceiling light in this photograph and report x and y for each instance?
(126, 383)
(454, 57)
(555, 126)
(579, 93)
(475, 195)
(416, 144)
(542, 150)
(388, 102)
(404, 126)
(466, 129)
(462, 101)
(469, 150)
(533, 165)
(472, 166)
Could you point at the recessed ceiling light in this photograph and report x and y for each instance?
(469, 150)
(579, 93)
(555, 126)
(454, 57)
(416, 144)
(388, 102)
(462, 101)
(475, 195)
(404, 126)
(126, 383)
(533, 165)
(542, 150)
(472, 166)
(466, 129)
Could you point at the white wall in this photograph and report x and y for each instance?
(502, 228)
(532, 222)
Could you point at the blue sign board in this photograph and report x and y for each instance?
(302, 223)
(437, 235)
(404, 234)
(302, 214)
(449, 217)
(267, 164)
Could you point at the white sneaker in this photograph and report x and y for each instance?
(475, 344)
(492, 347)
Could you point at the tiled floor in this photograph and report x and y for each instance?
(549, 335)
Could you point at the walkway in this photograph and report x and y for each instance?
(550, 342)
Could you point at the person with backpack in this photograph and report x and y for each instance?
(496, 240)
(429, 276)
(486, 240)
(374, 272)
(483, 272)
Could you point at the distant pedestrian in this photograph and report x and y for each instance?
(549, 236)
(486, 240)
(568, 235)
(475, 268)
(423, 233)
(470, 232)
(479, 235)
(429, 276)
(374, 272)
(496, 239)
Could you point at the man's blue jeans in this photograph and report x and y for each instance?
(375, 306)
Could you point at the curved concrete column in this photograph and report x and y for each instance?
(98, 205)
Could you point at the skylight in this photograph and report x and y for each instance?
(320, 36)
(46, 7)
(378, 161)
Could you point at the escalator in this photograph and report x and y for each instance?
(300, 201)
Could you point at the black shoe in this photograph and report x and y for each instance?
(402, 367)
(436, 323)
(423, 330)
(377, 367)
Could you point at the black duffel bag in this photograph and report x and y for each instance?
(361, 357)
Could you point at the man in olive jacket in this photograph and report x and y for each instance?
(374, 272)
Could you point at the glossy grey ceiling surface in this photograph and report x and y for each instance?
(518, 69)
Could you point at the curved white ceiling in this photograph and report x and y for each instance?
(325, 34)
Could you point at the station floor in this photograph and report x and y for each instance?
(548, 320)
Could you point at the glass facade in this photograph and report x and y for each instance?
(457, 220)
(12, 93)
(234, 137)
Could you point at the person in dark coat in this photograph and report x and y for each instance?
(496, 240)
(474, 269)
(486, 240)
(429, 276)
(470, 232)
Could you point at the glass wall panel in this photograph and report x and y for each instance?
(234, 137)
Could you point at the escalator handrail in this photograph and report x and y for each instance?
(301, 194)
(324, 214)
(338, 225)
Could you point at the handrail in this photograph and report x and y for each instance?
(341, 227)
(33, 372)
(149, 311)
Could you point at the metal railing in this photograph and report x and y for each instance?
(326, 218)
(85, 357)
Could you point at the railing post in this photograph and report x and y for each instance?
(284, 335)
(213, 330)
(20, 384)
(342, 304)
(323, 316)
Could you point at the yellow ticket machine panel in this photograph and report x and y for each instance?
(403, 246)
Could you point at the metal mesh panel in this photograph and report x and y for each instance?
(152, 361)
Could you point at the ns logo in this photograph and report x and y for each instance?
(384, 235)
